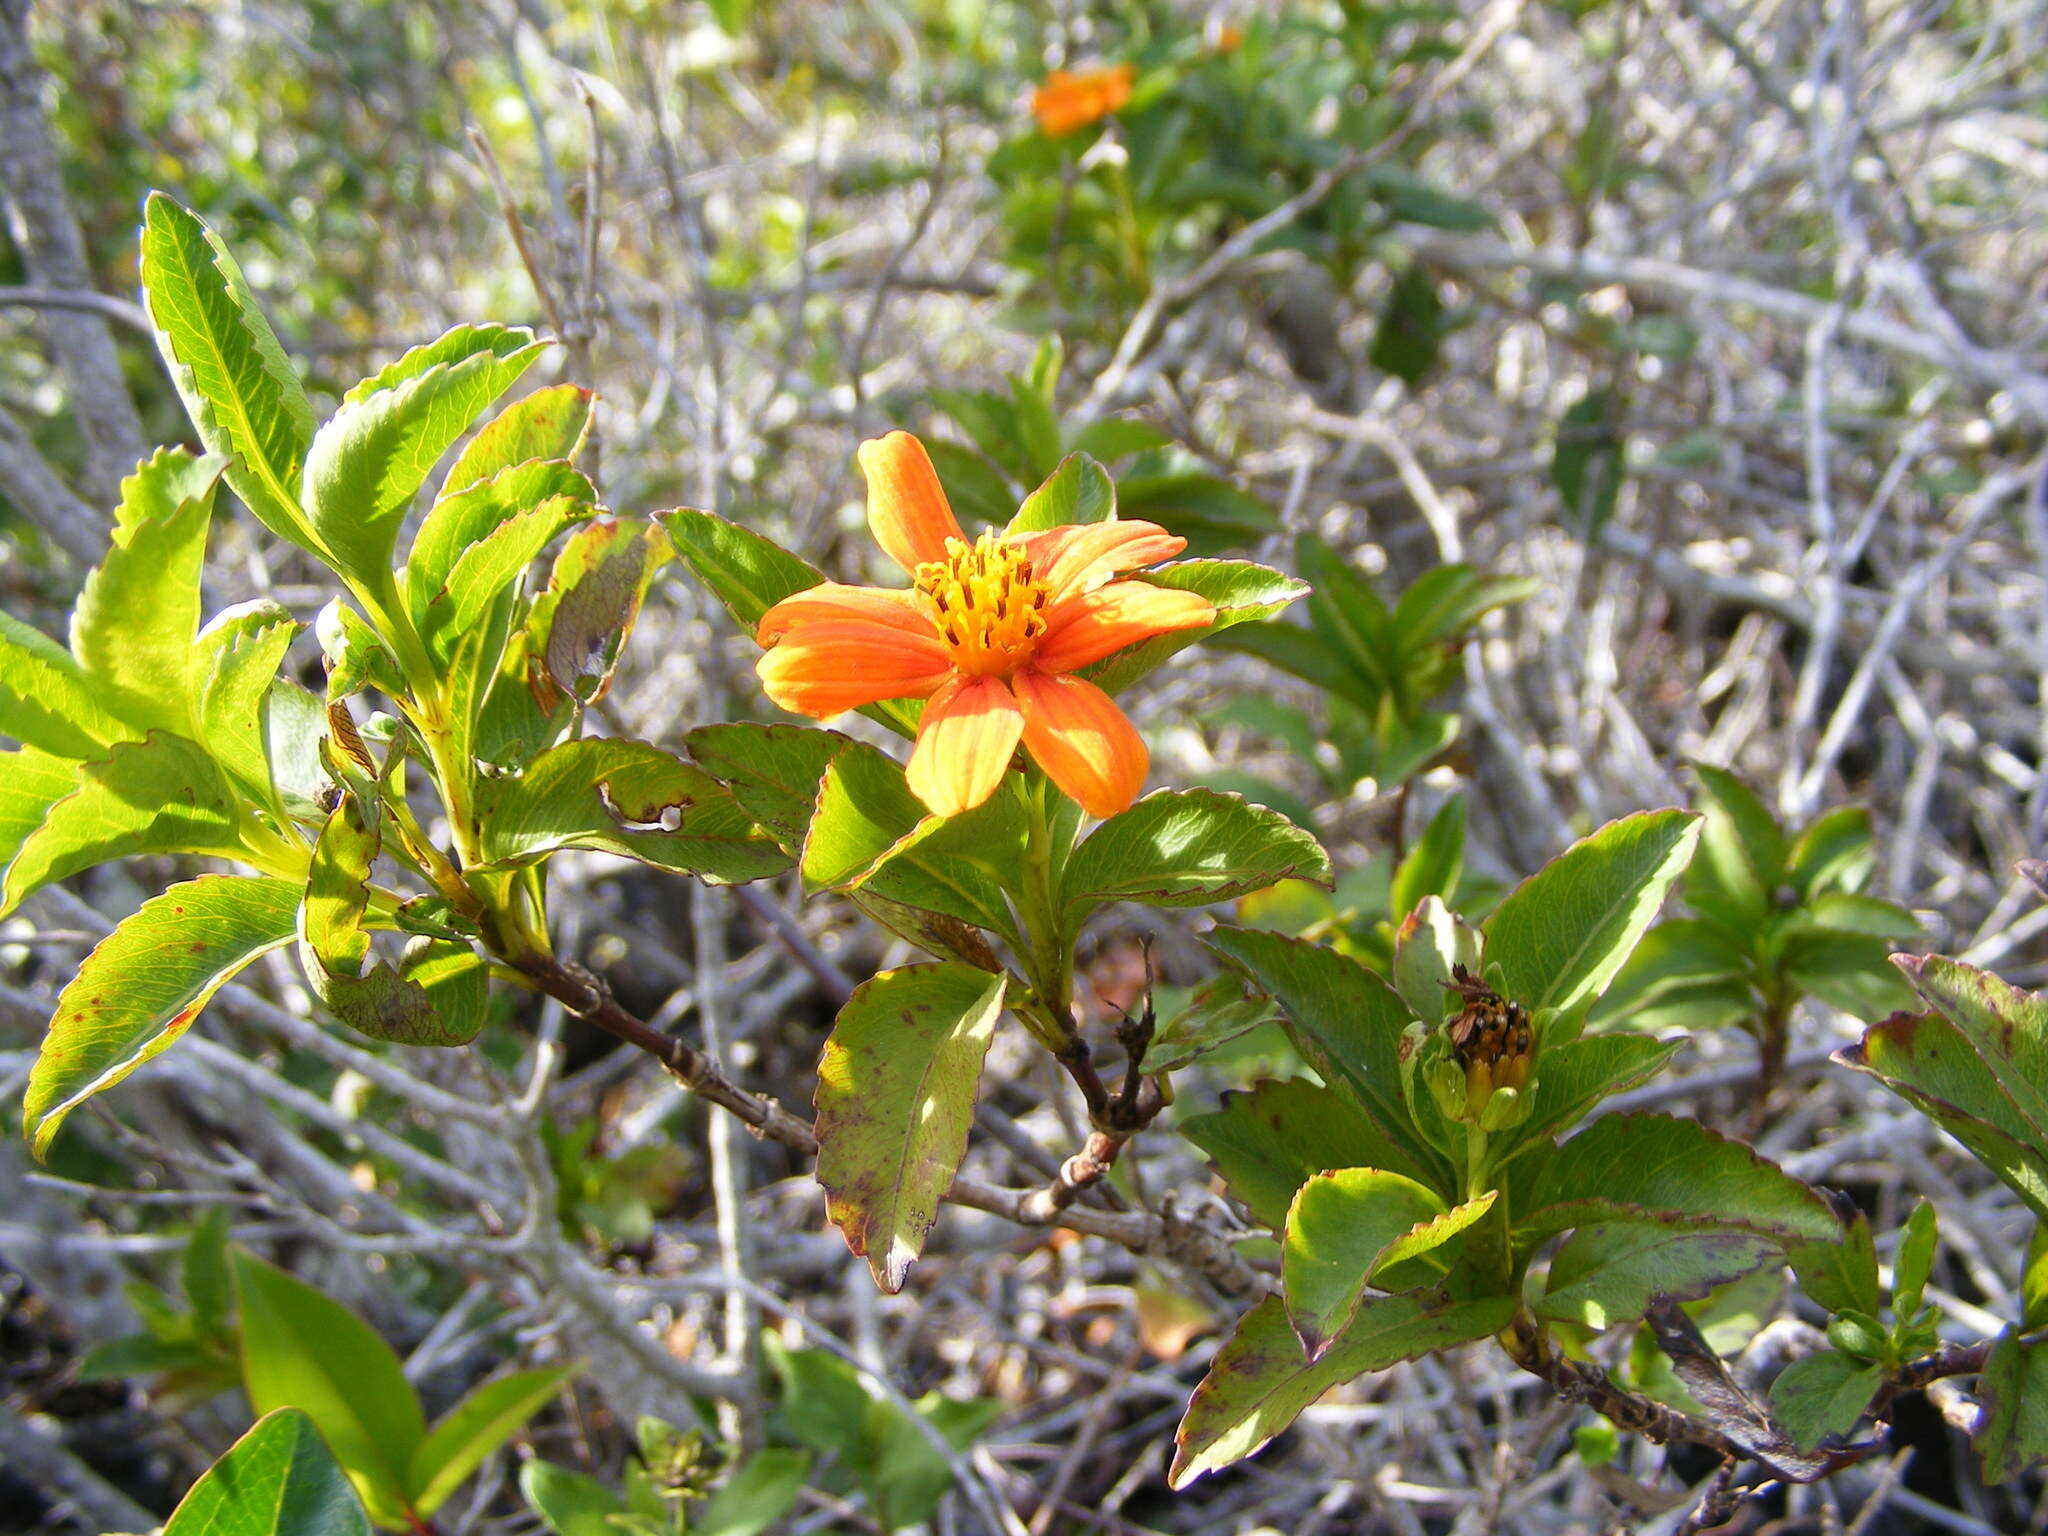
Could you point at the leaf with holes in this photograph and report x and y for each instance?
(629, 798)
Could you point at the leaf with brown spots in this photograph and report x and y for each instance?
(896, 1090)
(145, 982)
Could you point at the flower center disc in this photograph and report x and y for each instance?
(987, 604)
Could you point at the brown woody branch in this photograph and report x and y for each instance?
(1161, 1234)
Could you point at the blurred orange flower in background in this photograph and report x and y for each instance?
(988, 636)
(1068, 102)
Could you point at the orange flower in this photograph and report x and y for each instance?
(1225, 39)
(988, 636)
(1068, 102)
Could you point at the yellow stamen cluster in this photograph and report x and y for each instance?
(989, 607)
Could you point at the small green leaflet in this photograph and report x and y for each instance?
(1188, 848)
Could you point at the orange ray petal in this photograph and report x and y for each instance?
(1078, 735)
(907, 507)
(1089, 627)
(824, 669)
(897, 607)
(1082, 556)
(964, 742)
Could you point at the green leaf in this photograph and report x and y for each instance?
(571, 1503)
(1663, 1171)
(550, 423)
(2033, 1280)
(1607, 1274)
(368, 994)
(301, 1350)
(277, 1480)
(760, 1491)
(1741, 859)
(1347, 1225)
(1188, 848)
(486, 570)
(1913, 1261)
(1410, 199)
(1305, 654)
(1433, 865)
(1849, 971)
(870, 832)
(458, 522)
(628, 798)
(1586, 466)
(579, 624)
(774, 771)
(368, 462)
(1206, 510)
(1118, 437)
(31, 782)
(1429, 946)
(905, 1474)
(2007, 1025)
(1443, 603)
(1823, 1395)
(136, 614)
(1258, 1384)
(490, 1415)
(748, 573)
(1242, 592)
(204, 1271)
(245, 401)
(1674, 956)
(1561, 935)
(2014, 1392)
(1836, 853)
(978, 491)
(896, 1089)
(1574, 1076)
(238, 657)
(1268, 1142)
(1851, 913)
(1347, 1024)
(1216, 1015)
(1932, 1064)
(48, 701)
(1411, 329)
(1079, 491)
(357, 658)
(1841, 1275)
(159, 795)
(145, 982)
